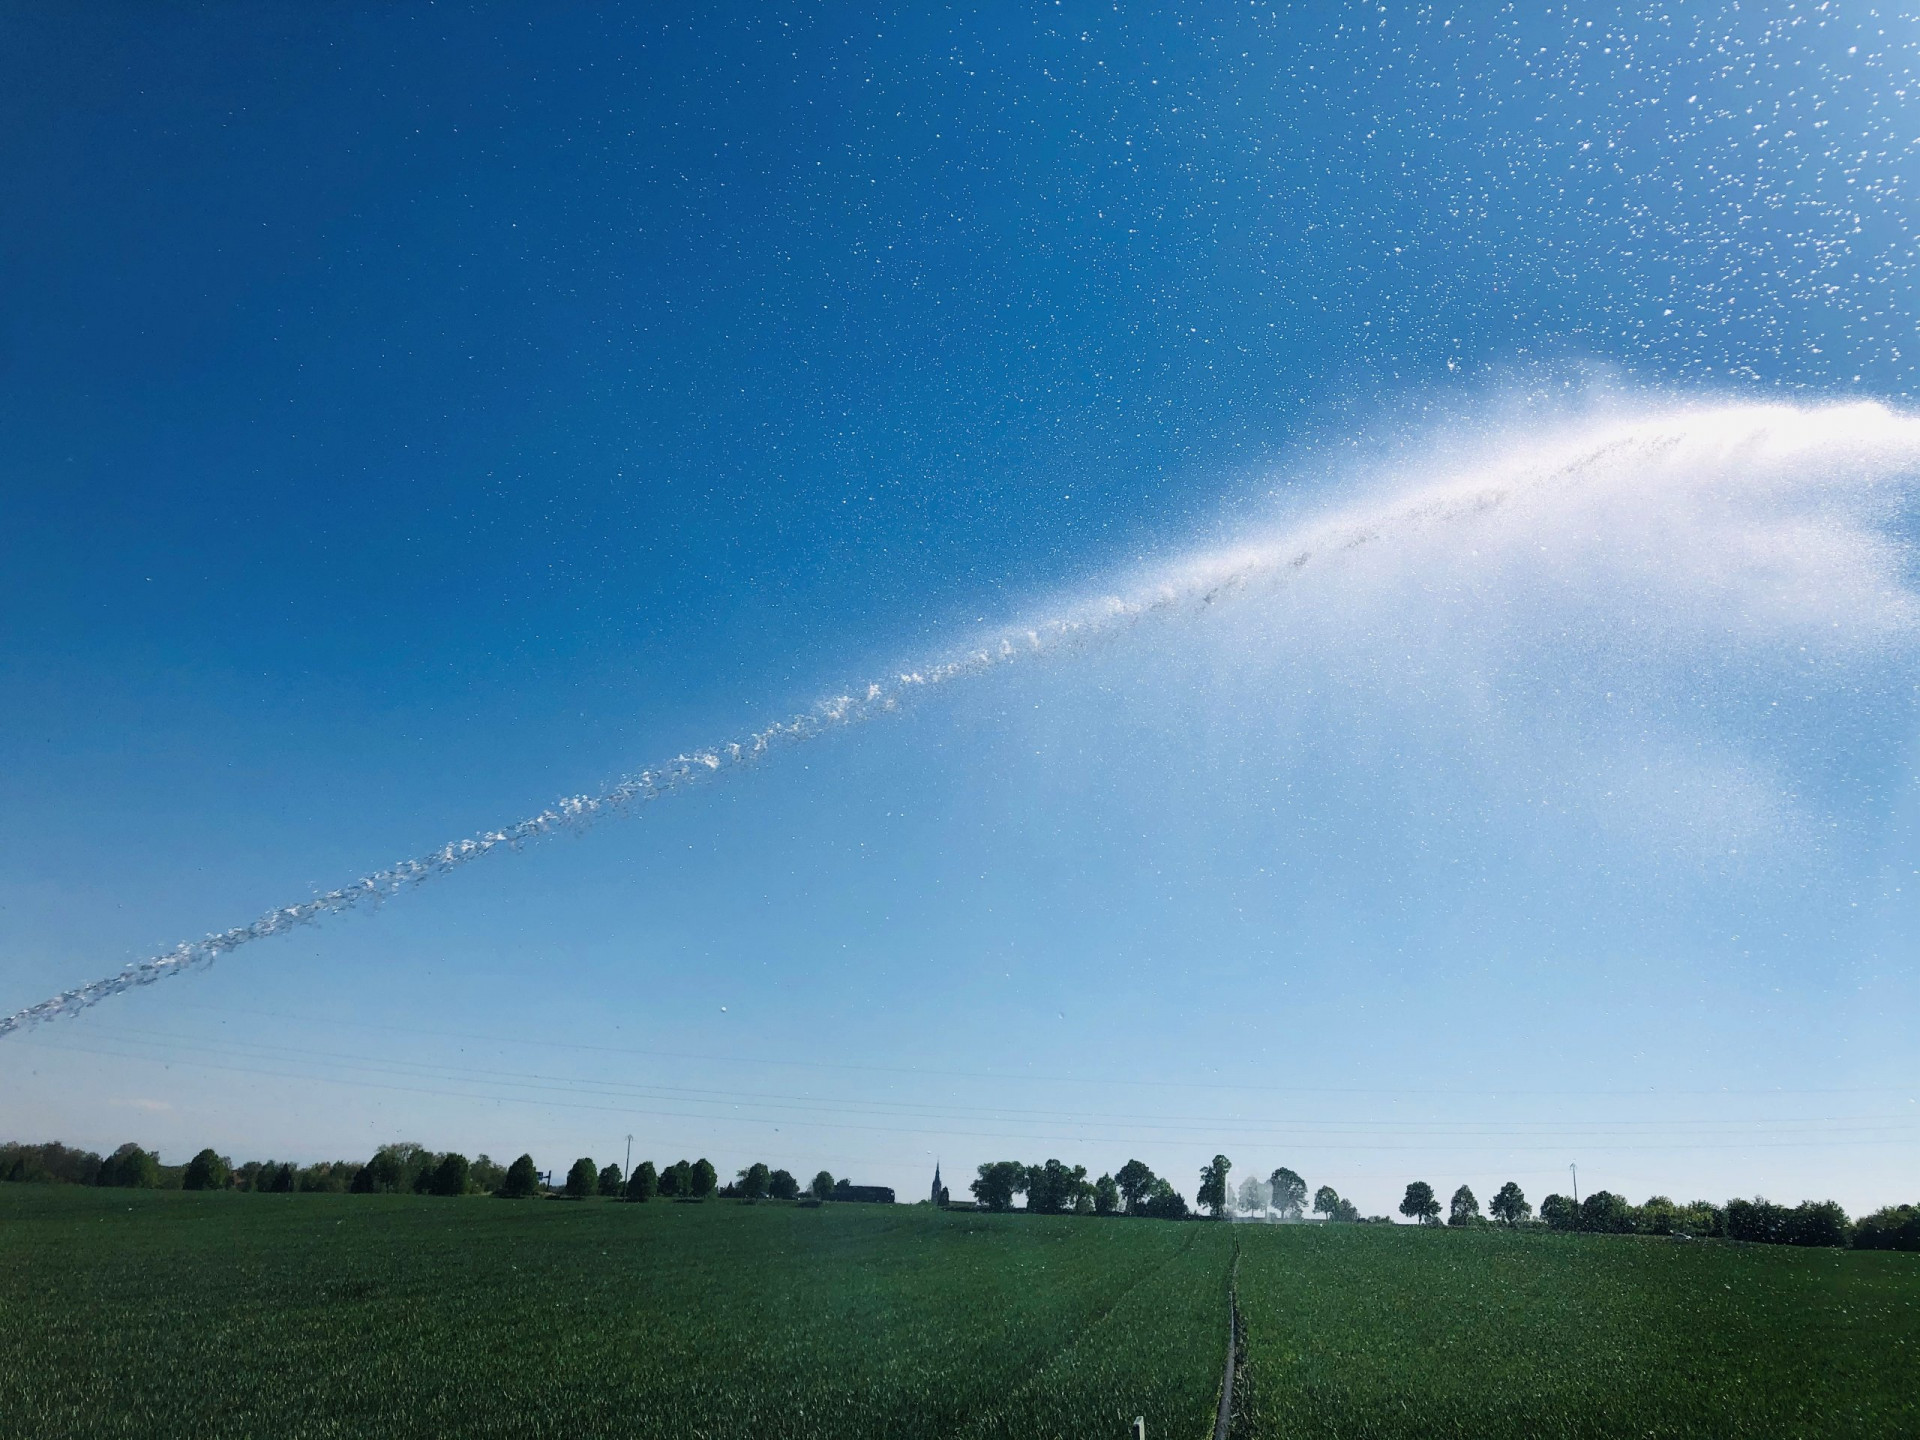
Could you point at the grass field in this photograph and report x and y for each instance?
(140, 1313)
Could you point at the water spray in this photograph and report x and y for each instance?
(1758, 435)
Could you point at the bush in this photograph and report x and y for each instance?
(644, 1183)
(1897, 1227)
(522, 1181)
(207, 1171)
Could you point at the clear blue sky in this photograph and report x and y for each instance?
(411, 414)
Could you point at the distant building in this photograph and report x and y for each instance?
(939, 1190)
(864, 1194)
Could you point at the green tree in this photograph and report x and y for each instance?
(1213, 1185)
(522, 1181)
(1288, 1192)
(382, 1175)
(1420, 1204)
(1053, 1188)
(485, 1175)
(1560, 1213)
(609, 1182)
(1895, 1227)
(1136, 1184)
(644, 1183)
(1605, 1213)
(782, 1186)
(450, 1175)
(329, 1177)
(583, 1179)
(822, 1187)
(1510, 1205)
(703, 1178)
(1326, 1201)
(1163, 1202)
(754, 1181)
(1464, 1208)
(130, 1168)
(998, 1182)
(1106, 1196)
(207, 1171)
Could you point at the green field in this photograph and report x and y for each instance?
(1364, 1331)
(139, 1313)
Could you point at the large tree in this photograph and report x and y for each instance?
(644, 1183)
(782, 1186)
(703, 1178)
(997, 1182)
(1510, 1205)
(1163, 1202)
(1464, 1209)
(582, 1179)
(1213, 1185)
(130, 1168)
(1135, 1181)
(1106, 1196)
(450, 1175)
(1053, 1188)
(609, 1184)
(754, 1181)
(1420, 1204)
(1326, 1201)
(822, 1187)
(522, 1181)
(1289, 1192)
(207, 1171)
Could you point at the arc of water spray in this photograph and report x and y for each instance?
(1193, 589)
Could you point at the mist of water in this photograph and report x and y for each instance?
(1791, 513)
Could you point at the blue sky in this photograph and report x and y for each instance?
(414, 415)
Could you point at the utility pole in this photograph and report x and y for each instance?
(628, 1172)
(1575, 1171)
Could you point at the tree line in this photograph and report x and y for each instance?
(1054, 1188)
(1812, 1222)
(1050, 1188)
(403, 1169)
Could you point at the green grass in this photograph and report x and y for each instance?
(140, 1313)
(1357, 1331)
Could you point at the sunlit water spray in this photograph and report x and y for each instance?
(1831, 481)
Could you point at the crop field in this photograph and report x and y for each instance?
(150, 1312)
(145, 1312)
(1358, 1331)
